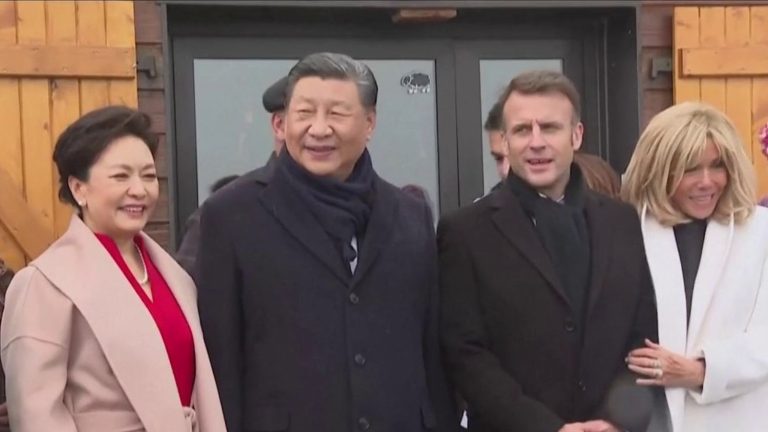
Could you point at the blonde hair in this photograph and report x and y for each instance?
(673, 142)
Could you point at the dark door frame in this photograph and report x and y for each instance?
(469, 131)
(416, 4)
(187, 49)
(606, 39)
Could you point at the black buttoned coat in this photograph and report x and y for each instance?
(514, 346)
(297, 342)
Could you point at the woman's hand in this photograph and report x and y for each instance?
(661, 367)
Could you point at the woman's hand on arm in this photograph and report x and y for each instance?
(660, 367)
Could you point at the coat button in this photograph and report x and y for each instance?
(570, 326)
(582, 386)
(360, 359)
(363, 423)
(354, 299)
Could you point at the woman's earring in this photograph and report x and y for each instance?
(81, 204)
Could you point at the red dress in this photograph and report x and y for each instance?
(168, 316)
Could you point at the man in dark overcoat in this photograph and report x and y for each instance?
(318, 290)
(545, 286)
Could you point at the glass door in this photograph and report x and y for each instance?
(226, 130)
(487, 66)
(433, 97)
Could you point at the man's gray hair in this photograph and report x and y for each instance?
(327, 65)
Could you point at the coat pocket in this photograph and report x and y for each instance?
(428, 415)
(267, 418)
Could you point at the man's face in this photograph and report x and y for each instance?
(326, 126)
(499, 152)
(541, 138)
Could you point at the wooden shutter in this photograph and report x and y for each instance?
(721, 57)
(58, 59)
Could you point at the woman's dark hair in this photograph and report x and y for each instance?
(494, 121)
(81, 144)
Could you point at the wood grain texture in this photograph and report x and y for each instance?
(759, 35)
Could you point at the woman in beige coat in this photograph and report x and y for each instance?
(101, 332)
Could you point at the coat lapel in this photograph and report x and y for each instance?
(179, 282)
(516, 226)
(295, 217)
(667, 275)
(377, 233)
(122, 324)
(205, 395)
(714, 255)
(600, 239)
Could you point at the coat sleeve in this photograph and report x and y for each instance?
(187, 252)
(627, 404)
(218, 284)
(645, 324)
(35, 338)
(490, 391)
(440, 393)
(738, 364)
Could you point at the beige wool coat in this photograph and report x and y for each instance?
(82, 352)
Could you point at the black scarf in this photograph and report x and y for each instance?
(562, 228)
(341, 208)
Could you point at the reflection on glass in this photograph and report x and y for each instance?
(404, 144)
(234, 135)
(232, 128)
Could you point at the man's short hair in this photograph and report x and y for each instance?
(544, 82)
(494, 121)
(328, 65)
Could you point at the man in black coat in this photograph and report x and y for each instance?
(545, 286)
(318, 290)
(273, 100)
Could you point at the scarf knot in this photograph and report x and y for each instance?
(341, 207)
(562, 228)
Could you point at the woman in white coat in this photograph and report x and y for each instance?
(707, 248)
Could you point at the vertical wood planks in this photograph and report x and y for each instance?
(686, 21)
(738, 91)
(35, 117)
(743, 98)
(759, 35)
(34, 111)
(121, 33)
(64, 96)
(712, 34)
(11, 155)
(91, 31)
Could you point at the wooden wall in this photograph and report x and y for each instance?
(721, 57)
(655, 34)
(44, 86)
(151, 91)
